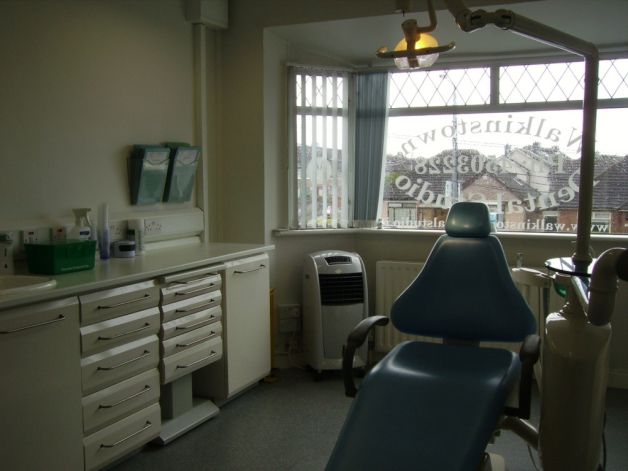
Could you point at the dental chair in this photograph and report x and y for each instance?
(435, 406)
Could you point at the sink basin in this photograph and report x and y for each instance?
(15, 284)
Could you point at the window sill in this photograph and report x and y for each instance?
(423, 232)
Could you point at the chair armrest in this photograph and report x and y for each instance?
(529, 355)
(355, 339)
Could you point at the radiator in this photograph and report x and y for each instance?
(391, 278)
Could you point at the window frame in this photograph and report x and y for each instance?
(495, 106)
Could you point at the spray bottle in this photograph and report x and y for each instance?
(82, 229)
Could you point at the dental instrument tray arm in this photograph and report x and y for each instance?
(355, 339)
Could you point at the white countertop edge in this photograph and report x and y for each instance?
(117, 271)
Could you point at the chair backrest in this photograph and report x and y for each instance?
(465, 290)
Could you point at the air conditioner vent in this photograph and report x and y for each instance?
(344, 288)
(337, 260)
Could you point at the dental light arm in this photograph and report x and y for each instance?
(469, 21)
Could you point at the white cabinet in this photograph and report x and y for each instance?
(120, 381)
(191, 338)
(246, 331)
(40, 396)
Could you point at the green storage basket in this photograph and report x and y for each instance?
(62, 256)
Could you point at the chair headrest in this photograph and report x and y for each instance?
(468, 219)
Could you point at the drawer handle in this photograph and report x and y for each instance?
(200, 306)
(196, 290)
(109, 368)
(144, 327)
(212, 354)
(144, 428)
(240, 272)
(32, 326)
(196, 342)
(191, 326)
(122, 401)
(123, 303)
(196, 280)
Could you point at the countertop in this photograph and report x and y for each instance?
(121, 271)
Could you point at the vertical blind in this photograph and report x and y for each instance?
(319, 101)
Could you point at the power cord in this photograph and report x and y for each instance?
(603, 466)
(532, 458)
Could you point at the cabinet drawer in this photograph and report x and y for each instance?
(178, 290)
(112, 332)
(191, 359)
(115, 402)
(188, 323)
(22, 322)
(119, 438)
(107, 304)
(188, 306)
(118, 363)
(191, 339)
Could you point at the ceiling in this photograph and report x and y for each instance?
(354, 42)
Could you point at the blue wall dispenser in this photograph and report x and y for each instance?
(148, 170)
(181, 172)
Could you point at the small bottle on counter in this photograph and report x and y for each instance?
(137, 226)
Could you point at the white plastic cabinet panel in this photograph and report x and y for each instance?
(246, 331)
(117, 401)
(116, 364)
(188, 306)
(107, 304)
(248, 321)
(191, 359)
(188, 323)
(40, 396)
(190, 339)
(116, 440)
(107, 334)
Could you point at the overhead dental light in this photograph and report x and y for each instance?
(417, 49)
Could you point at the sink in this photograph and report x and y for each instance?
(16, 284)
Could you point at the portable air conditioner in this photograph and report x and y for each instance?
(334, 301)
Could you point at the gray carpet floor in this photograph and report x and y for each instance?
(292, 424)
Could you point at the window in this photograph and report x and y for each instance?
(600, 222)
(319, 101)
(508, 135)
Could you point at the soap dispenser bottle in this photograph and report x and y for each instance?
(82, 229)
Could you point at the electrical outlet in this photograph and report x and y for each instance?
(117, 230)
(36, 236)
(59, 233)
(289, 311)
(8, 236)
(289, 318)
(152, 227)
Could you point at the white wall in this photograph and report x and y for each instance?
(81, 82)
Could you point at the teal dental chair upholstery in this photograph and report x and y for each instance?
(435, 406)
